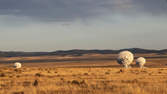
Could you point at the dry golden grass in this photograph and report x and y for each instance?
(84, 77)
(42, 80)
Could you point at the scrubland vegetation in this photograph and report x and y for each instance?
(83, 81)
(84, 77)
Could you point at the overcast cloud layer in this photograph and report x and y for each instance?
(47, 25)
(60, 10)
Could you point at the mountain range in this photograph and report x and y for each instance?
(78, 52)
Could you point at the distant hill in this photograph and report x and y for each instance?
(77, 52)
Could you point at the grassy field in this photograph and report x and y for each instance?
(82, 76)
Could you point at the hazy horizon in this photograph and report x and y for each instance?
(50, 25)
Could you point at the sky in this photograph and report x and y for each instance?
(49, 25)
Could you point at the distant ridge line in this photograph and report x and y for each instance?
(78, 52)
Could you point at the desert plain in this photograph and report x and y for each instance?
(86, 74)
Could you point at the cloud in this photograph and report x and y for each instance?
(69, 10)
